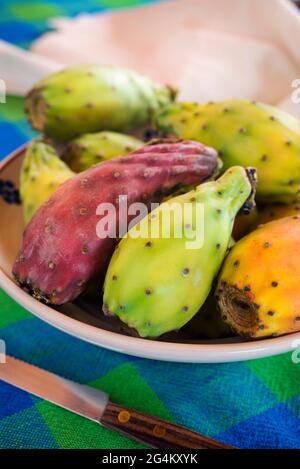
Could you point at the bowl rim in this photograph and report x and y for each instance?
(139, 347)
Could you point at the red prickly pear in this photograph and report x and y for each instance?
(61, 251)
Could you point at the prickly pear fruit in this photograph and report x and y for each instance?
(89, 98)
(61, 249)
(258, 288)
(207, 323)
(41, 174)
(273, 212)
(157, 283)
(245, 133)
(89, 149)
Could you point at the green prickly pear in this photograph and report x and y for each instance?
(41, 174)
(157, 283)
(245, 133)
(89, 149)
(90, 98)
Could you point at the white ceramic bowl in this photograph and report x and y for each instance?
(84, 321)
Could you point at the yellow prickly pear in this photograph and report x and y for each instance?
(258, 288)
(90, 98)
(41, 174)
(245, 133)
(89, 149)
(158, 280)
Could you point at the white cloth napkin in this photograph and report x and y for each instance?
(210, 50)
(20, 69)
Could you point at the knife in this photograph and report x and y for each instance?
(95, 405)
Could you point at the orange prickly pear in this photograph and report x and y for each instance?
(258, 288)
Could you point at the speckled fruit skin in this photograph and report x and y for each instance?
(61, 251)
(245, 133)
(90, 149)
(157, 284)
(258, 288)
(90, 98)
(42, 173)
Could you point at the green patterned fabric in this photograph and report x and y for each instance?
(253, 404)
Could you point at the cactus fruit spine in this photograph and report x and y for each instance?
(61, 250)
(90, 98)
(258, 287)
(245, 133)
(157, 284)
(89, 149)
(41, 174)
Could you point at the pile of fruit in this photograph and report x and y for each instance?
(242, 279)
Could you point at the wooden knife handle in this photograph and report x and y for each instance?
(153, 431)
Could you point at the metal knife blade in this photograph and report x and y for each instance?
(95, 405)
(78, 398)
